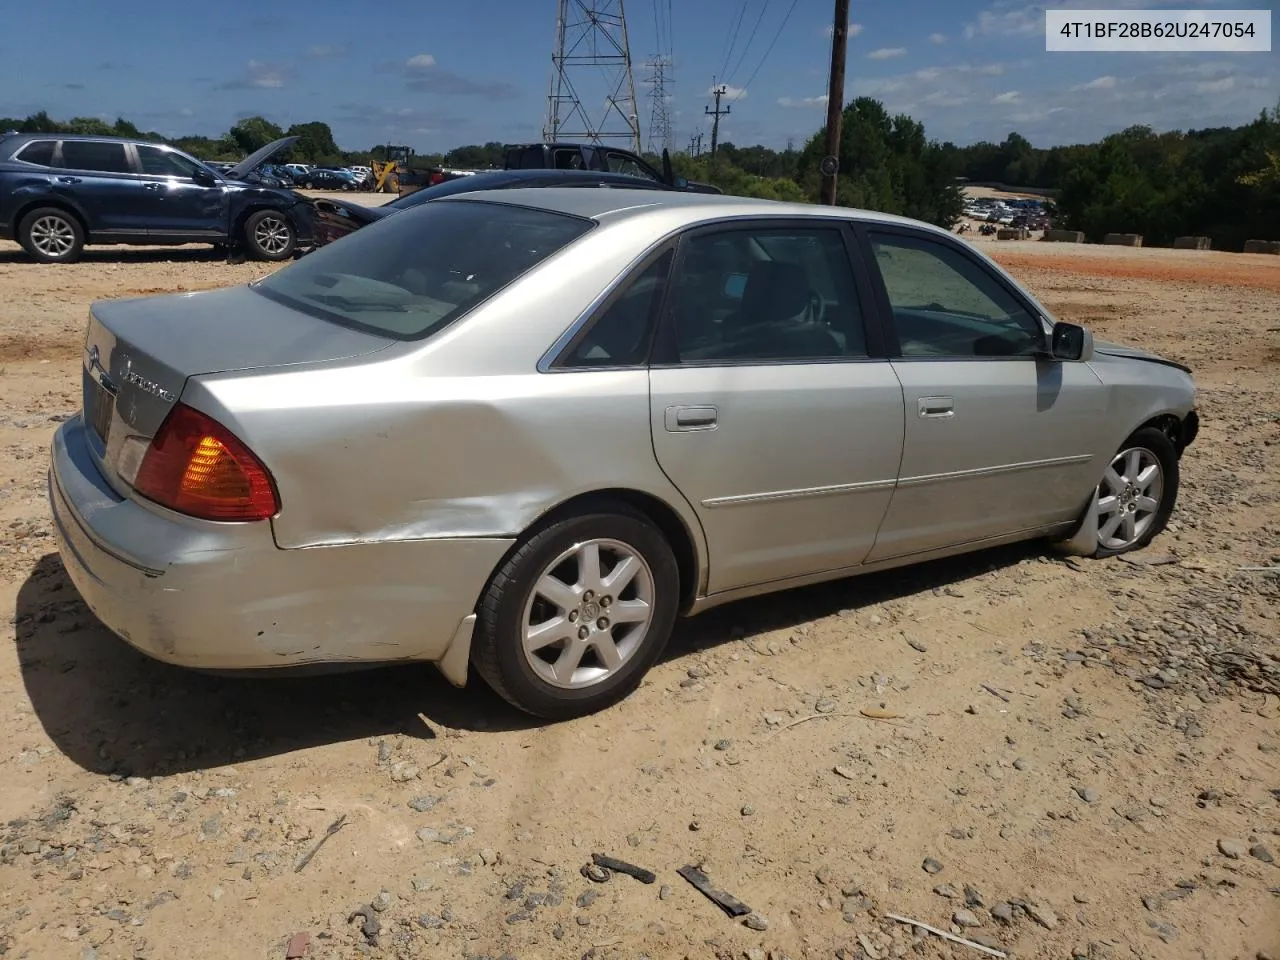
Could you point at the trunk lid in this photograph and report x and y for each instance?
(139, 353)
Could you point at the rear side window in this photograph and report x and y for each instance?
(37, 151)
(94, 155)
(413, 273)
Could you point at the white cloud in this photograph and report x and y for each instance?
(264, 76)
(186, 112)
(1221, 85)
(730, 93)
(421, 61)
(1099, 83)
(820, 101)
(887, 53)
(1014, 18)
(1009, 96)
(937, 38)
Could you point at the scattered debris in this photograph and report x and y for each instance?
(931, 865)
(994, 692)
(621, 866)
(702, 883)
(595, 873)
(371, 927)
(298, 946)
(329, 832)
(989, 951)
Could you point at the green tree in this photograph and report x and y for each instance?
(253, 133)
(317, 144)
(886, 164)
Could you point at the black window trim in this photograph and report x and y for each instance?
(884, 309)
(664, 355)
(16, 156)
(556, 357)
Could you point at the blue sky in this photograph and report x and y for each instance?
(436, 74)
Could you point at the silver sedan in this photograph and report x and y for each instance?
(524, 432)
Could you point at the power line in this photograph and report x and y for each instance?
(747, 49)
(781, 27)
(733, 39)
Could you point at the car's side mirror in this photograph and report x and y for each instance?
(1070, 341)
(204, 178)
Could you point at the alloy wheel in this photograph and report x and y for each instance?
(54, 237)
(588, 613)
(272, 235)
(1129, 498)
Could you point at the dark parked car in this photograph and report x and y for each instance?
(322, 178)
(335, 219)
(59, 192)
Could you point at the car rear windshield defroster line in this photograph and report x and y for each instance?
(410, 275)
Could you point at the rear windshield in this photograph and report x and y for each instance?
(410, 275)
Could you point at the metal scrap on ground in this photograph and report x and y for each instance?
(621, 866)
(329, 832)
(725, 901)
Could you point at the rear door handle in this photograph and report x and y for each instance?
(68, 179)
(936, 408)
(151, 186)
(691, 418)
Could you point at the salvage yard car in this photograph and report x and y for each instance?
(59, 192)
(335, 218)
(524, 430)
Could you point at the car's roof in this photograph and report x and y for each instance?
(621, 204)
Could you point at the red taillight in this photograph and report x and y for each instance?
(196, 466)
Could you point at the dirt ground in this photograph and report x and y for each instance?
(1054, 758)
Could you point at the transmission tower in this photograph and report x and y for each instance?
(661, 135)
(591, 45)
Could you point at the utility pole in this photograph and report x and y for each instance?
(695, 145)
(835, 101)
(591, 45)
(717, 113)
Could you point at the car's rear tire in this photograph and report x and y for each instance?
(268, 235)
(577, 614)
(51, 235)
(1137, 494)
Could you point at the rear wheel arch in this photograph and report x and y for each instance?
(661, 514)
(56, 204)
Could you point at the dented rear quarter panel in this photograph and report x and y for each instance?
(459, 435)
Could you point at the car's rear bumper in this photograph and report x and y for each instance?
(223, 596)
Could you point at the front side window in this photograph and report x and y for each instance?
(165, 163)
(413, 273)
(94, 155)
(945, 304)
(37, 151)
(765, 294)
(620, 336)
(621, 163)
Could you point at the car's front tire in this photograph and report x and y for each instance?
(51, 235)
(269, 235)
(1137, 494)
(577, 614)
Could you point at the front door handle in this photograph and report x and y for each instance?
(68, 179)
(691, 418)
(936, 408)
(151, 186)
